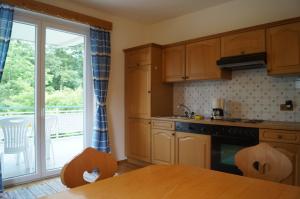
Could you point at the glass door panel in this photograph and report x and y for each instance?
(17, 104)
(64, 99)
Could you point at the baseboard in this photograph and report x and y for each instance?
(138, 162)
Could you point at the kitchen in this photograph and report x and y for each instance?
(192, 99)
(200, 101)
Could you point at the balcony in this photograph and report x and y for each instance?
(63, 141)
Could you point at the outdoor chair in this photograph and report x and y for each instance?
(15, 131)
(51, 128)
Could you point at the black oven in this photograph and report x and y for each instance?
(226, 141)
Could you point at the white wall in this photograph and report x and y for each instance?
(224, 17)
(125, 34)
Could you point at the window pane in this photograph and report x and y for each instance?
(64, 96)
(17, 104)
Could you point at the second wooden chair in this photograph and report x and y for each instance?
(88, 161)
(264, 162)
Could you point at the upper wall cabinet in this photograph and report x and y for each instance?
(283, 49)
(138, 57)
(174, 63)
(243, 43)
(144, 88)
(201, 61)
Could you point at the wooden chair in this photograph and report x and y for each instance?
(88, 160)
(264, 162)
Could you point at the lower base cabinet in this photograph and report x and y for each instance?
(138, 139)
(193, 149)
(292, 151)
(163, 144)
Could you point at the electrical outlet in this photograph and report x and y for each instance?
(288, 106)
(297, 84)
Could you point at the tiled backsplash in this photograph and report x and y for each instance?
(250, 94)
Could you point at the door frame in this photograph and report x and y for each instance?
(42, 22)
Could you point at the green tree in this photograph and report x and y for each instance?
(63, 76)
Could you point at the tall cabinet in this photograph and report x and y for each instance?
(145, 96)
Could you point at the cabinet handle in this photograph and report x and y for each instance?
(279, 136)
(242, 52)
(149, 122)
(187, 77)
(149, 91)
(173, 134)
(182, 77)
(137, 64)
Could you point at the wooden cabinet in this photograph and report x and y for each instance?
(243, 43)
(145, 96)
(138, 91)
(283, 136)
(174, 63)
(287, 142)
(292, 151)
(194, 61)
(138, 57)
(164, 125)
(193, 149)
(201, 60)
(163, 143)
(283, 49)
(138, 137)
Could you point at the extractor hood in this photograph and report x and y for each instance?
(245, 61)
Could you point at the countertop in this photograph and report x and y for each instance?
(292, 126)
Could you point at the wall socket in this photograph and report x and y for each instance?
(288, 106)
(297, 83)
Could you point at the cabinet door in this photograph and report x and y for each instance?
(138, 139)
(292, 151)
(138, 92)
(138, 57)
(243, 43)
(201, 60)
(193, 149)
(283, 49)
(174, 63)
(163, 144)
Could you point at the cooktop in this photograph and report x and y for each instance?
(242, 120)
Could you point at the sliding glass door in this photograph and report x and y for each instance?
(63, 96)
(17, 104)
(44, 114)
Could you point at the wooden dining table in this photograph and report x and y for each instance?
(172, 182)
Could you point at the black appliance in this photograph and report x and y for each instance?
(226, 141)
(244, 61)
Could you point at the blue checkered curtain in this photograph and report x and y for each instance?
(100, 50)
(6, 21)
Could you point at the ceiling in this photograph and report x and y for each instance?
(149, 11)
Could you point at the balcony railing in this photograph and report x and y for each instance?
(67, 138)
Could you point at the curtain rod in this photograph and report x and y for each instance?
(59, 12)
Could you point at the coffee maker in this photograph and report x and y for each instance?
(218, 109)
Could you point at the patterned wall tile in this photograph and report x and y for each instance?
(250, 94)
